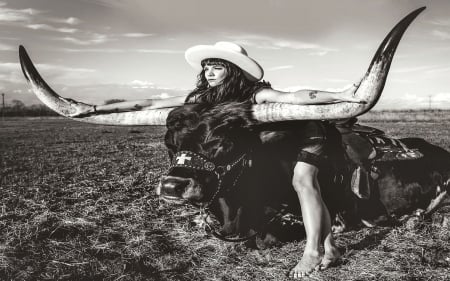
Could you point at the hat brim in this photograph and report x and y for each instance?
(195, 55)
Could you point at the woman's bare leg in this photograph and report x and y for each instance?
(331, 251)
(308, 191)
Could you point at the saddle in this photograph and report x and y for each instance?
(366, 146)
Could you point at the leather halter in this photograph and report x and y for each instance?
(196, 161)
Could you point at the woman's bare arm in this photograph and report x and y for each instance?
(308, 96)
(135, 105)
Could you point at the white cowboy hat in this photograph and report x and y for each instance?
(227, 51)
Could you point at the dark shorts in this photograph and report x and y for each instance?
(312, 140)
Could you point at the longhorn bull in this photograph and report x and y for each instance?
(241, 173)
(369, 90)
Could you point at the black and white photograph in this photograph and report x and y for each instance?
(224, 140)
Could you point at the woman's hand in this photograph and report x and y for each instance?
(348, 95)
(82, 109)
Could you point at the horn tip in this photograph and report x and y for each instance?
(23, 58)
(22, 51)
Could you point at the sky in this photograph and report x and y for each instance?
(95, 50)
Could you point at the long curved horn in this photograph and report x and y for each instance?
(67, 107)
(369, 90)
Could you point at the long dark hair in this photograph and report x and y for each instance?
(235, 86)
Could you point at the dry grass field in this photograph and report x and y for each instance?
(77, 202)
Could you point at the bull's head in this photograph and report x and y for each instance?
(208, 148)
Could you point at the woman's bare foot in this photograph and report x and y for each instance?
(306, 265)
(330, 258)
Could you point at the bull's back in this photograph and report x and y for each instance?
(405, 185)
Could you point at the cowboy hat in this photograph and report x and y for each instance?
(227, 51)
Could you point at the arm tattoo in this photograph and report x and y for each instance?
(312, 94)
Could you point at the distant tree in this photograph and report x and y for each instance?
(40, 110)
(18, 108)
(17, 105)
(113, 101)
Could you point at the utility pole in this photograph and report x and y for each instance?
(429, 102)
(3, 108)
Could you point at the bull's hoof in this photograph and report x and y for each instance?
(413, 223)
(441, 220)
(268, 241)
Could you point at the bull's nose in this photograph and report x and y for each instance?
(174, 186)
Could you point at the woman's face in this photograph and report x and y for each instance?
(215, 74)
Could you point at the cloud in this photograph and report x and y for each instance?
(137, 35)
(95, 50)
(9, 66)
(162, 96)
(280, 67)
(320, 53)
(415, 101)
(430, 69)
(269, 42)
(439, 70)
(70, 20)
(109, 3)
(4, 47)
(441, 97)
(61, 68)
(412, 69)
(160, 51)
(441, 34)
(112, 50)
(28, 17)
(138, 84)
(337, 80)
(95, 38)
(14, 15)
(51, 28)
(441, 22)
(11, 73)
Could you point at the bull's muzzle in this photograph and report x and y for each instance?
(179, 189)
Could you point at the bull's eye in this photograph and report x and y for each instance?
(209, 166)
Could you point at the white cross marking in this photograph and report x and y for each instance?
(182, 158)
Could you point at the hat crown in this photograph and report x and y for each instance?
(231, 47)
(228, 51)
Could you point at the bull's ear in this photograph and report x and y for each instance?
(182, 119)
(170, 144)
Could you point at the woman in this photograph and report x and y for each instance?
(227, 73)
(220, 81)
